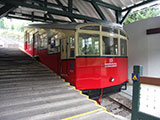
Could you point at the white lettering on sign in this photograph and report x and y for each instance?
(110, 64)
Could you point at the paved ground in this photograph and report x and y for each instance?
(30, 91)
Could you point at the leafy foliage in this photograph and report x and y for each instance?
(2, 24)
(143, 14)
(12, 34)
(11, 24)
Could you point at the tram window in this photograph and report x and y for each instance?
(43, 41)
(123, 47)
(28, 38)
(53, 44)
(110, 30)
(71, 40)
(88, 44)
(36, 37)
(31, 39)
(96, 28)
(25, 36)
(122, 33)
(110, 46)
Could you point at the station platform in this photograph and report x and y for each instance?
(31, 91)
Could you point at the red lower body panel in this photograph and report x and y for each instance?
(69, 71)
(95, 73)
(35, 52)
(85, 72)
(50, 60)
(29, 49)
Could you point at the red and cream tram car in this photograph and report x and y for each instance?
(92, 57)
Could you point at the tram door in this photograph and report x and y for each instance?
(67, 53)
(64, 57)
(35, 43)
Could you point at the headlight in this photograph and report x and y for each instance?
(112, 80)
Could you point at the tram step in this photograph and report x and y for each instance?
(58, 109)
(9, 80)
(52, 89)
(25, 88)
(30, 84)
(35, 98)
(24, 72)
(27, 76)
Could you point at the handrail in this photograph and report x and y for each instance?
(150, 80)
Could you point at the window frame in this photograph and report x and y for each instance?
(85, 26)
(58, 47)
(123, 33)
(124, 38)
(73, 36)
(91, 33)
(117, 44)
(28, 38)
(101, 34)
(36, 42)
(44, 47)
(109, 27)
(107, 34)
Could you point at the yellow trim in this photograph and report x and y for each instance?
(42, 31)
(86, 113)
(127, 47)
(119, 44)
(29, 30)
(76, 43)
(100, 45)
(123, 32)
(123, 37)
(63, 80)
(109, 113)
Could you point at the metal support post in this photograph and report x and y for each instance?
(137, 69)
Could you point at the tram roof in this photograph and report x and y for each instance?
(70, 26)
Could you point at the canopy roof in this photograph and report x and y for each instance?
(69, 10)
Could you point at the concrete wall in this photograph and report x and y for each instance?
(144, 49)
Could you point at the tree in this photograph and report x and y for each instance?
(20, 27)
(2, 26)
(142, 14)
(12, 27)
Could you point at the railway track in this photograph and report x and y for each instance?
(118, 105)
(127, 94)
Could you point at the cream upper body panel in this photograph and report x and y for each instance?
(78, 31)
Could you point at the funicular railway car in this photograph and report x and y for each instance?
(92, 57)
